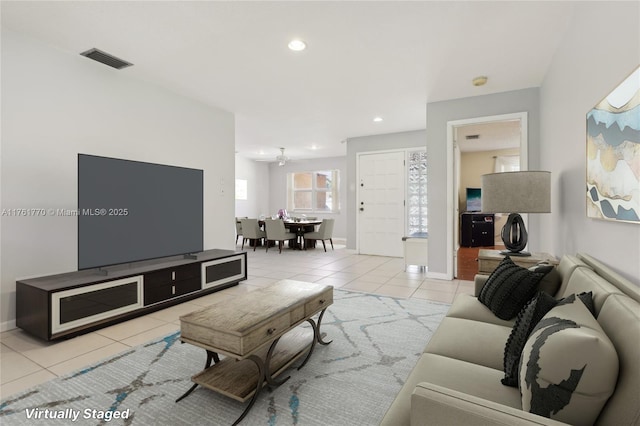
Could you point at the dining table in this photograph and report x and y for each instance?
(299, 227)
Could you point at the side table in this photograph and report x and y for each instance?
(488, 260)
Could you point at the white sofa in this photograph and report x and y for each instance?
(457, 379)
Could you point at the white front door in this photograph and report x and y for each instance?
(380, 204)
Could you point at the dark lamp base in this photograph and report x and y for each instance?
(514, 235)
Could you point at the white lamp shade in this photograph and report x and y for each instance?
(516, 192)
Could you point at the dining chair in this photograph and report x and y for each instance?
(325, 232)
(252, 232)
(239, 228)
(276, 232)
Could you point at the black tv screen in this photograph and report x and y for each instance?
(130, 211)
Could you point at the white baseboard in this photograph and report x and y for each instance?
(8, 325)
(438, 276)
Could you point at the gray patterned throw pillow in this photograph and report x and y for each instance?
(569, 367)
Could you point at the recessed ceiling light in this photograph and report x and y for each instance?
(297, 45)
(377, 119)
(314, 147)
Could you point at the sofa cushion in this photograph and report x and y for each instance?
(526, 320)
(471, 341)
(585, 279)
(466, 306)
(620, 319)
(509, 288)
(450, 373)
(565, 268)
(569, 367)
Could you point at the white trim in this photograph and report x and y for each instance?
(524, 161)
(8, 325)
(450, 209)
(437, 276)
(56, 327)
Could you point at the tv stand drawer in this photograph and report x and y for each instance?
(166, 276)
(81, 306)
(161, 292)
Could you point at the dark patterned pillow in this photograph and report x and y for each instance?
(509, 288)
(587, 299)
(551, 281)
(569, 367)
(527, 318)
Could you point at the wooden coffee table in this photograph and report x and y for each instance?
(247, 329)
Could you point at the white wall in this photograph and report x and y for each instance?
(257, 176)
(57, 104)
(278, 185)
(389, 141)
(600, 49)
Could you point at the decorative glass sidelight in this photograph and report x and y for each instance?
(417, 192)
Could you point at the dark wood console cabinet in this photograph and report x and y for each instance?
(65, 305)
(477, 230)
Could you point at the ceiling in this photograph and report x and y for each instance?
(491, 136)
(363, 59)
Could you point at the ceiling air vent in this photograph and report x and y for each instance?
(105, 58)
(472, 137)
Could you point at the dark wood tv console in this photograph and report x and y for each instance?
(65, 305)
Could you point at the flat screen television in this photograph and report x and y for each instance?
(130, 211)
(474, 200)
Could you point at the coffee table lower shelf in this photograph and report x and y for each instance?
(238, 379)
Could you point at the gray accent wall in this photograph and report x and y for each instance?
(586, 67)
(384, 142)
(438, 115)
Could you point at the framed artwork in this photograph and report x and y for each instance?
(613, 154)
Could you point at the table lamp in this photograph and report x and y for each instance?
(515, 193)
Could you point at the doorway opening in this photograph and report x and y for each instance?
(475, 147)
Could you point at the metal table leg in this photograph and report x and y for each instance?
(267, 369)
(210, 356)
(320, 334)
(261, 378)
(317, 337)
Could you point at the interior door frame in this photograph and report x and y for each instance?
(382, 151)
(452, 180)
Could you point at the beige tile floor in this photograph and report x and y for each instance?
(26, 361)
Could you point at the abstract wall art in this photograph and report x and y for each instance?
(613, 154)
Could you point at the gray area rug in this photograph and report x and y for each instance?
(352, 381)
